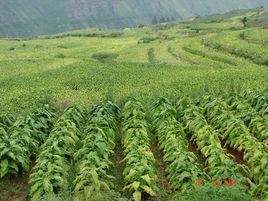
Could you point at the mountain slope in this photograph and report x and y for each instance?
(20, 18)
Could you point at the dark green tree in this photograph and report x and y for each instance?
(244, 21)
(154, 21)
(162, 20)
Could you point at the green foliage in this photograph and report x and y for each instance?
(219, 163)
(151, 56)
(139, 174)
(92, 158)
(254, 52)
(254, 120)
(237, 135)
(209, 192)
(21, 139)
(40, 123)
(105, 56)
(51, 172)
(14, 149)
(6, 120)
(147, 39)
(182, 168)
(244, 21)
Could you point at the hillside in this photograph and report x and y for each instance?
(171, 112)
(22, 18)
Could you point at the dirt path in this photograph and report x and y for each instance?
(163, 185)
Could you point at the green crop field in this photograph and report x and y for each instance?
(176, 111)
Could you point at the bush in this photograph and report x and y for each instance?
(12, 48)
(38, 46)
(60, 56)
(147, 39)
(114, 35)
(105, 56)
(151, 56)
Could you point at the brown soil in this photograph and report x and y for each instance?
(193, 148)
(237, 155)
(161, 175)
(118, 166)
(14, 188)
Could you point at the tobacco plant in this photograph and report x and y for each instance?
(51, 172)
(92, 158)
(182, 168)
(139, 174)
(219, 164)
(237, 136)
(257, 124)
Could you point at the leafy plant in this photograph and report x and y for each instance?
(182, 167)
(238, 136)
(92, 158)
(51, 172)
(219, 163)
(258, 125)
(139, 174)
(14, 149)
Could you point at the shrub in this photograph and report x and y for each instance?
(12, 48)
(151, 55)
(105, 56)
(147, 39)
(60, 55)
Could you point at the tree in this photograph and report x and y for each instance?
(173, 19)
(162, 20)
(154, 21)
(244, 21)
(168, 19)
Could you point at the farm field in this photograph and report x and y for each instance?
(176, 111)
(164, 150)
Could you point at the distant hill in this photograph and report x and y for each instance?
(23, 18)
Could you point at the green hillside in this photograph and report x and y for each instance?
(171, 112)
(23, 18)
(87, 65)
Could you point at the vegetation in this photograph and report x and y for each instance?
(81, 117)
(140, 174)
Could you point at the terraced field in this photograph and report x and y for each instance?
(177, 111)
(83, 67)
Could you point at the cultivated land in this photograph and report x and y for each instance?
(212, 125)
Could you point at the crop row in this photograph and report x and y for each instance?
(237, 136)
(182, 167)
(21, 138)
(91, 161)
(219, 163)
(51, 172)
(139, 174)
(258, 125)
